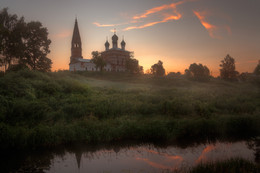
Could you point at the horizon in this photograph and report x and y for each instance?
(178, 33)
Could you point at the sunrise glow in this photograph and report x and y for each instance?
(178, 32)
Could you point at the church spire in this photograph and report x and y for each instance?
(76, 35)
(76, 50)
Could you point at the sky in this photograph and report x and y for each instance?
(177, 32)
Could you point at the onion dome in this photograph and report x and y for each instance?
(107, 45)
(114, 38)
(123, 44)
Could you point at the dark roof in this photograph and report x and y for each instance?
(76, 35)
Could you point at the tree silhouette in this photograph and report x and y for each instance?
(198, 72)
(98, 60)
(158, 69)
(36, 44)
(24, 43)
(257, 69)
(228, 70)
(132, 66)
(11, 31)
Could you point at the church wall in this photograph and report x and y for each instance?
(83, 66)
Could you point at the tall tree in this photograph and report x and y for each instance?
(158, 69)
(36, 44)
(257, 69)
(198, 72)
(11, 34)
(25, 43)
(98, 60)
(228, 69)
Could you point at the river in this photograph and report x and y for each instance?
(140, 158)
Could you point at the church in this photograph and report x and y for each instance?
(114, 57)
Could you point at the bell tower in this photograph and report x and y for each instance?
(76, 49)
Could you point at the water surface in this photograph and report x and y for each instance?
(139, 158)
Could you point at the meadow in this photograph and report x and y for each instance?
(58, 108)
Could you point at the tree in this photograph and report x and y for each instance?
(257, 69)
(158, 69)
(132, 66)
(36, 49)
(24, 43)
(98, 60)
(11, 32)
(228, 70)
(198, 72)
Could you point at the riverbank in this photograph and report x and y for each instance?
(51, 109)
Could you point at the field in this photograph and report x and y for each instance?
(51, 109)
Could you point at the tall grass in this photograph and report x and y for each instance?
(45, 109)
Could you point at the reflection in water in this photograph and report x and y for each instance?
(142, 158)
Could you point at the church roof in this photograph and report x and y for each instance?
(76, 35)
(116, 49)
(77, 60)
(84, 60)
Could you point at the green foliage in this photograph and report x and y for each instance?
(158, 69)
(228, 69)
(98, 60)
(48, 109)
(198, 72)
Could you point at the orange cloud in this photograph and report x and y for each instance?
(213, 30)
(160, 8)
(103, 25)
(174, 15)
(202, 17)
(108, 25)
(166, 19)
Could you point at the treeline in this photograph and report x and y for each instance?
(22, 44)
(201, 72)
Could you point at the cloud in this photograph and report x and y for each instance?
(174, 15)
(161, 8)
(202, 17)
(103, 25)
(213, 30)
(169, 12)
(107, 25)
(164, 17)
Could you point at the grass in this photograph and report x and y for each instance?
(50, 109)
